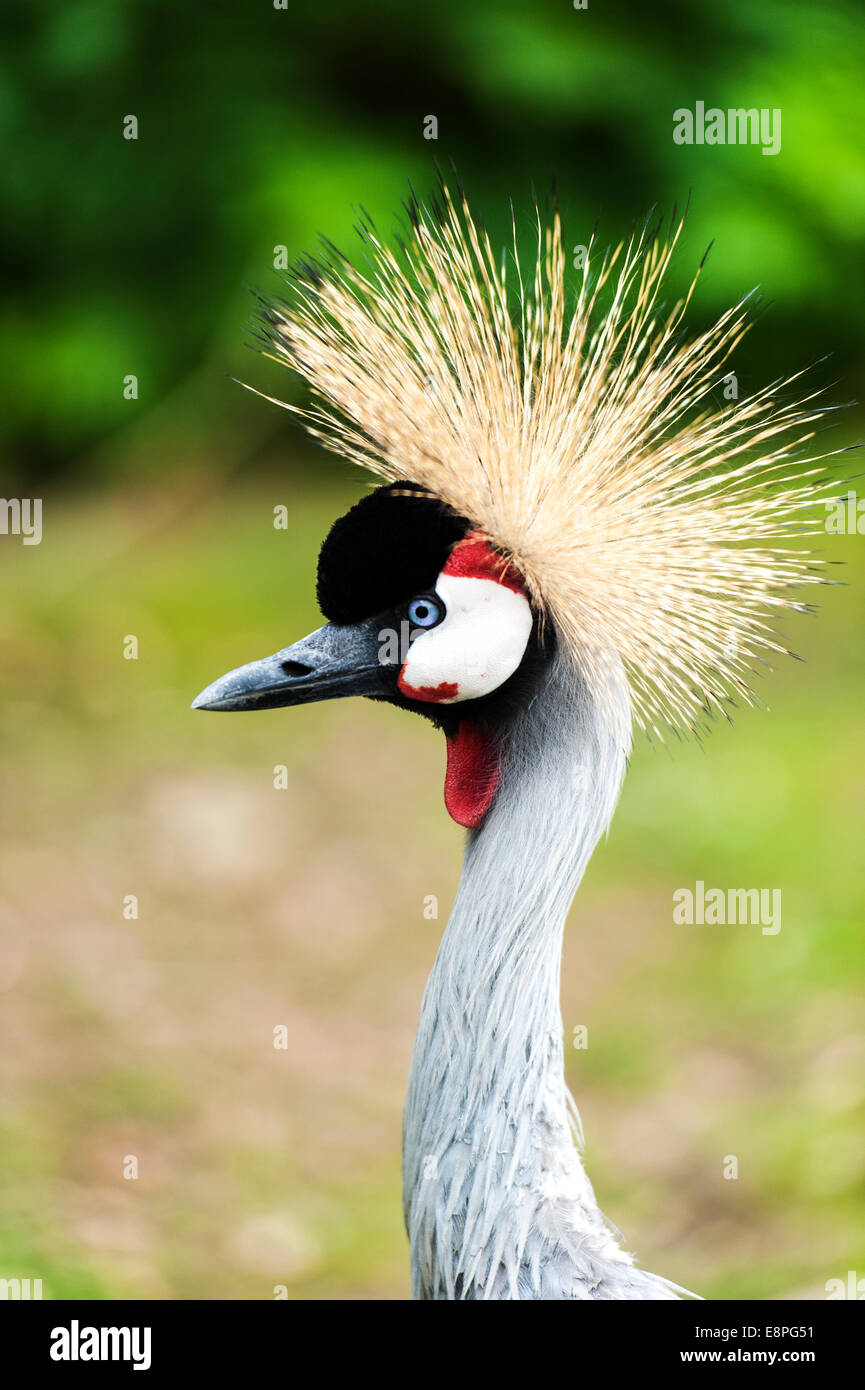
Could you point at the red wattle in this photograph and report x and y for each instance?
(473, 773)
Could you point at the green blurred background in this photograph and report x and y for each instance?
(152, 1037)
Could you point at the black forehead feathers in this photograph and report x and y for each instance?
(389, 547)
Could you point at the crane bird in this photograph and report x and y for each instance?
(570, 535)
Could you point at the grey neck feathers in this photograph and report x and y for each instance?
(497, 1203)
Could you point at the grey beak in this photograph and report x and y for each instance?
(332, 662)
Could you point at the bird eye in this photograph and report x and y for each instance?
(425, 611)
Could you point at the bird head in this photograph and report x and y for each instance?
(423, 613)
(559, 470)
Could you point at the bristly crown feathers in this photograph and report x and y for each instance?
(581, 433)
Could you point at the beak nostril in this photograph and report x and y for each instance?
(296, 668)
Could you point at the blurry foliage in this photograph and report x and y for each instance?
(260, 127)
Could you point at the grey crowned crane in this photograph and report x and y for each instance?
(573, 534)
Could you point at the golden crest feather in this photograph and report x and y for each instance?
(581, 433)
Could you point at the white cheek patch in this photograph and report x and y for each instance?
(478, 645)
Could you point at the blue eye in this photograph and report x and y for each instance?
(425, 611)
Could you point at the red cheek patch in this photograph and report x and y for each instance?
(433, 694)
(473, 774)
(475, 558)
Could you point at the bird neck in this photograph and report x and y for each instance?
(489, 1124)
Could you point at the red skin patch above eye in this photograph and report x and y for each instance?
(475, 558)
(473, 774)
